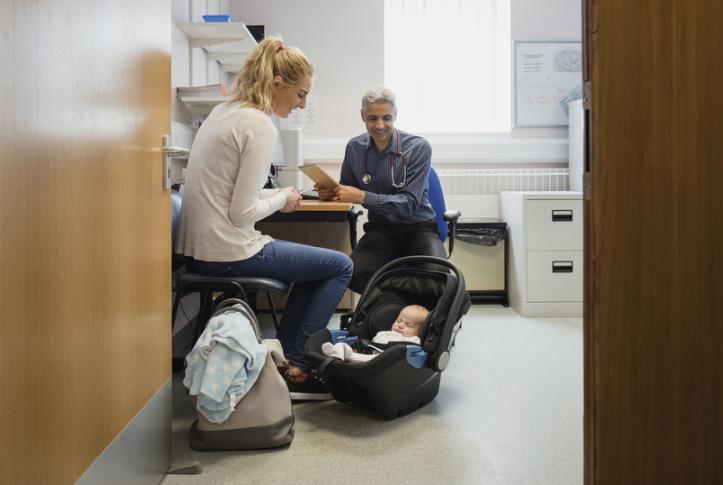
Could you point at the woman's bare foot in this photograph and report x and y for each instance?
(296, 375)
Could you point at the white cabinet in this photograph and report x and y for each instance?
(201, 105)
(224, 47)
(546, 258)
(227, 44)
(202, 52)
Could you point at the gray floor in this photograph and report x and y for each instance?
(509, 411)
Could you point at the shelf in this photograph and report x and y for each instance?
(227, 44)
(231, 37)
(229, 61)
(201, 105)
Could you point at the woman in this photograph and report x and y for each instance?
(223, 199)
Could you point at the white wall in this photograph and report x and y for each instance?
(344, 39)
(545, 20)
(181, 133)
(188, 68)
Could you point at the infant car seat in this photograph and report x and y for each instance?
(404, 376)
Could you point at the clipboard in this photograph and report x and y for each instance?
(319, 175)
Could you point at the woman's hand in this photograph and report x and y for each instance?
(293, 199)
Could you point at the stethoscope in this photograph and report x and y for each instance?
(367, 179)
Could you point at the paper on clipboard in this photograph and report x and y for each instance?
(319, 175)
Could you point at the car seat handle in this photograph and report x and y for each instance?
(416, 261)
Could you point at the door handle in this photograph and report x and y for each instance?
(170, 152)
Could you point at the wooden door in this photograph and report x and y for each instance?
(654, 243)
(85, 241)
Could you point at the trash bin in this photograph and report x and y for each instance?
(480, 252)
(483, 236)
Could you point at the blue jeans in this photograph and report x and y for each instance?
(320, 277)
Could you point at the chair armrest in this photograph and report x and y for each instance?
(451, 217)
(354, 213)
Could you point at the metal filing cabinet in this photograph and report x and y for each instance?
(546, 252)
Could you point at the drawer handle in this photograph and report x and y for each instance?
(562, 266)
(562, 216)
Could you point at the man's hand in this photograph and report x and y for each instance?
(293, 199)
(324, 194)
(346, 193)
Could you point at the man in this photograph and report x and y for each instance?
(386, 171)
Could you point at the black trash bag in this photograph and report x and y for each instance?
(483, 236)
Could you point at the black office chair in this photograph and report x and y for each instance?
(244, 287)
(446, 219)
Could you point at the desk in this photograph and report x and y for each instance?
(309, 208)
(318, 211)
(323, 206)
(323, 224)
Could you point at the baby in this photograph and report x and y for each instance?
(407, 327)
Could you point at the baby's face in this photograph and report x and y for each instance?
(409, 322)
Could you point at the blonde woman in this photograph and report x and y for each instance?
(223, 199)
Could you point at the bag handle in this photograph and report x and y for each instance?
(236, 304)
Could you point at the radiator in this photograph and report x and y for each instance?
(492, 181)
(475, 192)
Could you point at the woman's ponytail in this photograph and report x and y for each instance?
(254, 84)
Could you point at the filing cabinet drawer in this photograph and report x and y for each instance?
(554, 276)
(554, 224)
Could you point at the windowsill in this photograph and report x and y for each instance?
(463, 149)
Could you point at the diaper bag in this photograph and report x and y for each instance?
(263, 417)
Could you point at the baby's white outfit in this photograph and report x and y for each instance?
(344, 352)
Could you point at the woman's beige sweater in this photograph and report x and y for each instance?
(223, 196)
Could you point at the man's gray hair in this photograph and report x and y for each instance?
(379, 94)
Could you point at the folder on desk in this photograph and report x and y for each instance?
(319, 175)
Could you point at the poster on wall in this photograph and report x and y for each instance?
(548, 75)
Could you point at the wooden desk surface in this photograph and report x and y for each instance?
(317, 205)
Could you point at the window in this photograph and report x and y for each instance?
(448, 62)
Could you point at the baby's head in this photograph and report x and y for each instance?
(410, 321)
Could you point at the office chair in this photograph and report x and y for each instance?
(446, 219)
(205, 285)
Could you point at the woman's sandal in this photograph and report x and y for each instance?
(295, 375)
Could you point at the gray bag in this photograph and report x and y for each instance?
(263, 418)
